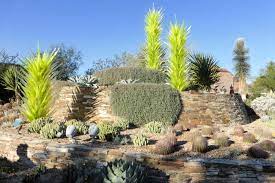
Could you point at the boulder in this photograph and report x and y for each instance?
(71, 131)
(93, 130)
(257, 151)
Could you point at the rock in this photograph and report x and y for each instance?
(265, 118)
(71, 131)
(256, 151)
(60, 134)
(93, 130)
(17, 123)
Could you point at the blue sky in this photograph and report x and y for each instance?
(103, 28)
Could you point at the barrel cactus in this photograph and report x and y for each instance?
(124, 172)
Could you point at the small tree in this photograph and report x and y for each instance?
(242, 67)
(153, 30)
(178, 55)
(37, 85)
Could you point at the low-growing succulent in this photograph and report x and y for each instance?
(249, 138)
(80, 126)
(84, 81)
(154, 127)
(107, 131)
(140, 140)
(36, 125)
(51, 130)
(222, 140)
(120, 171)
(239, 131)
(166, 145)
(199, 144)
(123, 140)
(257, 151)
(207, 131)
(267, 145)
(123, 124)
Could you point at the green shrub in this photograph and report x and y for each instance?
(37, 85)
(113, 75)
(154, 127)
(123, 124)
(50, 130)
(140, 140)
(36, 125)
(107, 131)
(143, 103)
(80, 126)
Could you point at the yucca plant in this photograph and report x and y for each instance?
(10, 79)
(178, 55)
(37, 85)
(204, 71)
(153, 30)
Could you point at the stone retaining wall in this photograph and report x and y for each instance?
(54, 154)
(212, 108)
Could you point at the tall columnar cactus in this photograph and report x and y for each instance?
(37, 85)
(178, 55)
(153, 30)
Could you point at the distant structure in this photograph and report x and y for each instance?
(226, 82)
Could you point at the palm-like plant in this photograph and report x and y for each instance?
(11, 80)
(203, 71)
(242, 67)
(177, 71)
(37, 85)
(153, 30)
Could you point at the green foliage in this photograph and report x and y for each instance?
(122, 124)
(80, 126)
(153, 30)
(178, 55)
(141, 103)
(123, 140)
(204, 71)
(68, 60)
(50, 130)
(107, 131)
(242, 67)
(84, 81)
(36, 125)
(140, 139)
(113, 75)
(124, 172)
(265, 82)
(154, 127)
(37, 85)
(199, 144)
(166, 145)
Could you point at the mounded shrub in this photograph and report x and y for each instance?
(222, 140)
(107, 131)
(249, 138)
(154, 127)
(113, 75)
(199, 144)
(166, 145)
(51, 130)
(36, 125)
(143, 102)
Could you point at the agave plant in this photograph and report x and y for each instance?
(124, 171)
(84, 81)
(178, 55)
(11, 80)
(37, 85)
(203, 71)
(153, 30)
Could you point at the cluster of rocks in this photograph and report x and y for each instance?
(264, 107)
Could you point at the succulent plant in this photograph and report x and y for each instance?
(256, 151)
(222, 140)
(166, 145)
(199, 144)
(120, 171)
(80, 126)
(207, 131)
(36, 125)
(123, 140)
(51, 130)
(107, 131)
(84, 81)
(127, 81)
(140, 140)
(123, 124)
(267, 145)
(249, 138)
(154, 127)
(238, 131)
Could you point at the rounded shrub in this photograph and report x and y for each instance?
(199, 144)
(113, 75)
(142, 103)
(51, 130)
(154, 127)
(166, 145)
(107, 131)
(249, 138)
(222, 140)
(36, 125)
